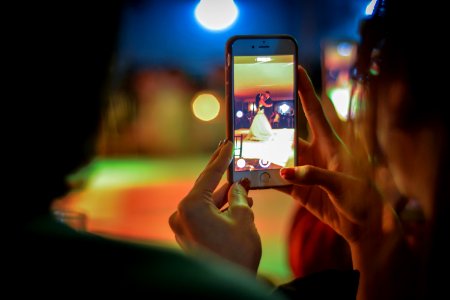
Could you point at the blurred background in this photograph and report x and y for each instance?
(166, 113)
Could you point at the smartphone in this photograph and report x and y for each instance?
(337, 60)
(261, 93)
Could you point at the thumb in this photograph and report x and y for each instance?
(239, 206)
(344, 189)
(310, 175)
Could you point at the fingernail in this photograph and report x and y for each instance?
(245, 182)
(287, 173)
(222, 142)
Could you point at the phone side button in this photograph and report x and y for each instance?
(264, 178)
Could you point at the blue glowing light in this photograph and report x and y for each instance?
(344, 49)
(370, 7)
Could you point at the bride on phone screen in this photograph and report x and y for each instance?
(260, 129)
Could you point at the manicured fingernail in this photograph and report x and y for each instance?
(245, 182)
(287, 173)
(222, 142)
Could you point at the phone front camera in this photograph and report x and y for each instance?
(253, 46)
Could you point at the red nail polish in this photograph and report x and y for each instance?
(288, 173)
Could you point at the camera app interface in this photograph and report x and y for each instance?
(264, 112)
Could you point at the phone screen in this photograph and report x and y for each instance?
(263, 115)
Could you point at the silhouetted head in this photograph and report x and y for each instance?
(68, 59)
(402, 63)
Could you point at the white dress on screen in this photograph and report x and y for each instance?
(260, 129)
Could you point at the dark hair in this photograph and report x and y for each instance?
(396, 30)
(403, 39)
(75, 58)
(257, 99)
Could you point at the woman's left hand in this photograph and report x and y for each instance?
(200, 222)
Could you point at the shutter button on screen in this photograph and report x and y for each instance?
(264, 177)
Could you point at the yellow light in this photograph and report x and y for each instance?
(206, 107)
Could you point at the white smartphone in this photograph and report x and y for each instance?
(262, 104)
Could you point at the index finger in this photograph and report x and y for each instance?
(312, 107)
(213, 172)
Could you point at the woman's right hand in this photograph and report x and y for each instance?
(347, 201)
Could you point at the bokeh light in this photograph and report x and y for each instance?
(345, 49)
(240, 162)
(216, 14)
(205, 106)
(284, 108)
(341, 100)
(370, 7)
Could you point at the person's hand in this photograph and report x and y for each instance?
(338, 189)
(352, 206)
(201, 221)
(342, 200)
(324, 148)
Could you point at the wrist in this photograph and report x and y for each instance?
(375, 256)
